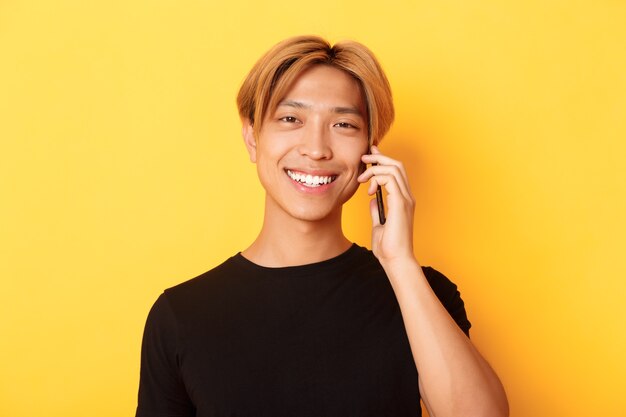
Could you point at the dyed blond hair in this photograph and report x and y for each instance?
(271, 77)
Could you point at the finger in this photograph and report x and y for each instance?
(379, 159)
(388, 182)
(396, 200)
(392, 184)
(382, 160)
(374, 213)
(372, 187)
(373, 172)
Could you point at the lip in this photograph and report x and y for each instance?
(320, 189)
(318, 172)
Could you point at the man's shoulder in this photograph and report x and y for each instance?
(204, 283)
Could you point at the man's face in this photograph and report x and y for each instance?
(308, 153)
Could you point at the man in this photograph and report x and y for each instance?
(303, 322)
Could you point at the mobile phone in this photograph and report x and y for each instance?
(380, 204)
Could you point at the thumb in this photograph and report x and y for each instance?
(374, 213)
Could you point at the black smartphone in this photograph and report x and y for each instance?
(380, 204)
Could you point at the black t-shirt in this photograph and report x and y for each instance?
(321, 340)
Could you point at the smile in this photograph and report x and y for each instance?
(311, 180)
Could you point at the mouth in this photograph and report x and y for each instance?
(309, 180)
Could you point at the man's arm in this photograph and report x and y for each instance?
(162, 392)
(454, 379)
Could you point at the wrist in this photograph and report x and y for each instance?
(401, 266)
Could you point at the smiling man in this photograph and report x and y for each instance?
(304, 322)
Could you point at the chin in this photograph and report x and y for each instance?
(313, 214)
(310, 209)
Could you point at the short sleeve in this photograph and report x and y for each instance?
(450, 297)
(162, 392)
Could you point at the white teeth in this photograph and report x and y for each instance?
(310, 180)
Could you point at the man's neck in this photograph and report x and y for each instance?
(286, 241)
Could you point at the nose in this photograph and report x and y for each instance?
(315, 143)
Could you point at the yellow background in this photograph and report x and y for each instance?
(122, 173)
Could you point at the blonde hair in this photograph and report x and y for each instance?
(272, 76)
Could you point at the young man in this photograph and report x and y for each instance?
(303, 322)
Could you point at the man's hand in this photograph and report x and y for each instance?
(392, 241)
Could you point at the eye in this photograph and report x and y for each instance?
(288, 119)
(345, 125)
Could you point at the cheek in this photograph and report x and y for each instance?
(355, 157)
(270, 151)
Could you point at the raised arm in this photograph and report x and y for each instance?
(454, 379)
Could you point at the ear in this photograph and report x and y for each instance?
(249, 140)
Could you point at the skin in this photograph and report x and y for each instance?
(320, 128)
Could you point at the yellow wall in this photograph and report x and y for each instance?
(122, 173)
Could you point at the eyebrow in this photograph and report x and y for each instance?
(338, 110)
